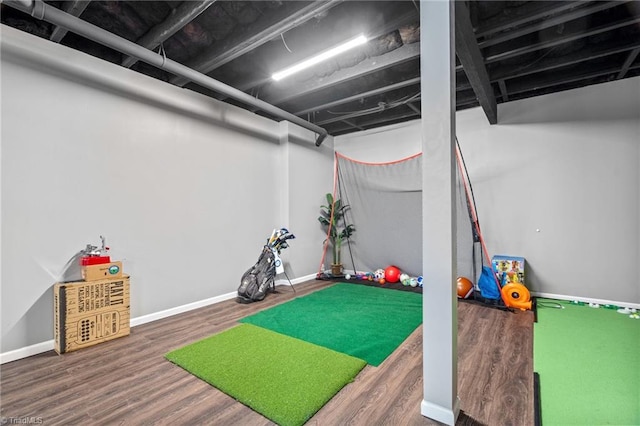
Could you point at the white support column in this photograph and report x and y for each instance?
(440, 321)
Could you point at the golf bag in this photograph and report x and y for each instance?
(260, 278)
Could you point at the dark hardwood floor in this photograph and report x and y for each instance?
(128, 381)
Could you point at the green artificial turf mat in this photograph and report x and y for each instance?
(588, 360)
(282, 378)
(366, 322)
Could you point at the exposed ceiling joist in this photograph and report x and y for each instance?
(473, 64)
(466, 102)
(370, 111)
(391, 23)
(547, 64)
(522, 50)
(375, 122)
(566, 38)
(556, 41)
(274, 93)
(353, 124)
(345, 117)
(74, 8)
(256, 35)
(559, 79)
(374, 92)
(528, 12)
(627, 63)
(392, 118)
(178, 18)
(548, 23)
(503, 91)
(414, 108)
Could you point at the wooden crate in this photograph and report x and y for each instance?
(103, 271)
(90, 312)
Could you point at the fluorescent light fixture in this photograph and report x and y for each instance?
(361, 39)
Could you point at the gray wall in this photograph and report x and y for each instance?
(310, 170)
(185, 189)
(565, 164)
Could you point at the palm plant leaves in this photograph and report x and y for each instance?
(332, 216)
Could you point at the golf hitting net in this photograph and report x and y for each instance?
(385, 206)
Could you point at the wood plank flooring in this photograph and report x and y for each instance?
(128, 382)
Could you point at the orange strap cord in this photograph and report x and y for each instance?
(474, 217)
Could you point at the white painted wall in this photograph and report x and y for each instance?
(186, 189)
(566, 164)
(310, 171)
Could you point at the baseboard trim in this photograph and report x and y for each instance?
(38, 348)
(27, 351)
(296, 280)
(439, 413)
(181, 309)
(585, 299)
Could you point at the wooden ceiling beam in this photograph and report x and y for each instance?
(289, 16)
(503, 91)
(627, 63)
(282, 91)
(74, 8)
(357, 96)
(511, 52)
(473, 63)
(391, 23)
(179, 17)
(548, 23)
(529, 12)
(414, 108)
(560, 79)
(547, 64)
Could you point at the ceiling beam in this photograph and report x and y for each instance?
(503, 91)
(256, 35)
(357, 96)
(415, 112)
(279, 92)
(548, 23)
(560, 79)
(381, 120)
(627, 63)
(178, 18)
(336, 129)
(74, 8)
(414, 108)
(391, 23)
(353, 124)
(470, 103)
(547, 64)
(529, 12)
(556, 41)
(473, 64)
(366, 111)
(369, 111)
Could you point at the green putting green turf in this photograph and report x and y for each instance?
(282, 378)
(366, 322)
(588, 360)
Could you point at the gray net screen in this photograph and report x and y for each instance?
(385, 205)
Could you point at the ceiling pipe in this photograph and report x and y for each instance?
(40, 10)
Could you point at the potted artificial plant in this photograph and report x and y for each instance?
(332, 217)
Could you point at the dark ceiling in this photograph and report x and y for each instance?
(506, 50)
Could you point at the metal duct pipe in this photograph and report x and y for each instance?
(40, 10)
